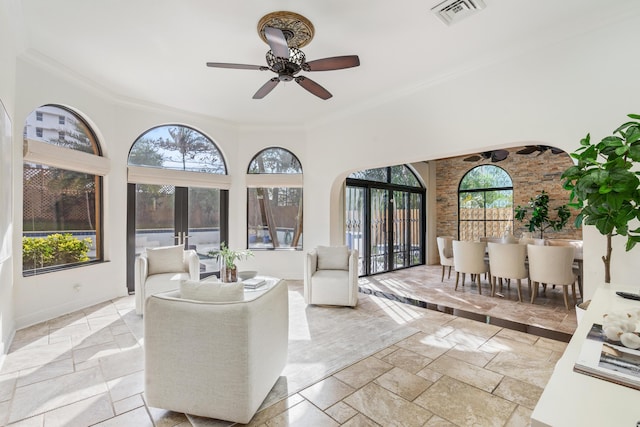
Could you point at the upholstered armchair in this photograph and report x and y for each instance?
(331, 276)
(162, 269)
(212, 355)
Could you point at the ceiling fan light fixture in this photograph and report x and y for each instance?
(292, 64)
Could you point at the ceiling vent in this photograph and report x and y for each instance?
(451, 11)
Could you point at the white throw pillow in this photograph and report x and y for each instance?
(333, 257)
(211, 290)
(166, 259)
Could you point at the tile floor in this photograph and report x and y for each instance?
(86, 368)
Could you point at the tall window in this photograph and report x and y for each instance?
(274, 200)
(485, 203)
(384, 218)
(178, 194)
(62, 191)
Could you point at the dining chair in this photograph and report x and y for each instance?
(531, 241)
(445, 249)
(507, 261)
(552, 265)
(468, 257)
(577, 256)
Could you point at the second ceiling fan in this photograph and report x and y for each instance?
(285, 58)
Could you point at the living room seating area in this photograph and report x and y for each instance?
(87, 367)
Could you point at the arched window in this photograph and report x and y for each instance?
(62, 191)
(485, 203)
(178, 194)
(179, 148)
(274, 200)
(384, 218)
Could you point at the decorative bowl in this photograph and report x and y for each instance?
(244, 275)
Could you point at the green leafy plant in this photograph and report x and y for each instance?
(230, 256)
(54, 249)
(540, 219)
(605, 188)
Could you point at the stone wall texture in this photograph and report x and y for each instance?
(530, 174)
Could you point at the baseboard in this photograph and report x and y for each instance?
(60, 310)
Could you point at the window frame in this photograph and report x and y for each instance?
(484, 191)
(267, 181)
(46, 153)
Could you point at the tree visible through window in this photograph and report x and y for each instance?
(178, 148)
(485, 203)
(274, 214)
(171, 209)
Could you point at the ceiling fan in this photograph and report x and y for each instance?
(495, 156)
(528, 149)
(286, 60)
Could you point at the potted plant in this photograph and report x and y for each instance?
(227, 258)
(605, 188)
(540, 219)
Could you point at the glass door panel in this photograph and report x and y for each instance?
(400, 229)
(204, 225)
(379, 244)
(415, 229)
(154, 216)
(355, 225)
(165, 215)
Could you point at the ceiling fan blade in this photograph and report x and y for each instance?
(333, 63)
(237, 66)
(313, 87)
(555, 150)
(499, 155)
(266, 88)
(473, 158)
(277, 42)
(528, 149)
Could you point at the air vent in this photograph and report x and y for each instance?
(451, 11)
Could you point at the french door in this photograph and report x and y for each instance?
(166, 215)
(386, 224)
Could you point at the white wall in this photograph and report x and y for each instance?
(7, 97)
(553, 96)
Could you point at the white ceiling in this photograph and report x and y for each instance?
(154, 51)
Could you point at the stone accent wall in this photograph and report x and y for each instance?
(530, 175)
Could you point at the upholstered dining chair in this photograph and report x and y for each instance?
(552, 265)
(161, 269)
(507, 261)
(331, 276)
(445, 249)
(577, 256)
(468, 257)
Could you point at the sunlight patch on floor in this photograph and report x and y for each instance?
(400, 313)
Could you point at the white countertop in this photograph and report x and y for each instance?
(573, 399)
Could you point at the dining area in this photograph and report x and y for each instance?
(493, 264)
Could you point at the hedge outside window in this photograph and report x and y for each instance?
(274, 200)
(61, 200)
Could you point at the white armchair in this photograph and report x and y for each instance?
(215, 359)
(162, 269)
(331, 276)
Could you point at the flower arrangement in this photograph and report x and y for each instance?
(227, 258)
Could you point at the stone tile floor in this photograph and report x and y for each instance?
(86, 368)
